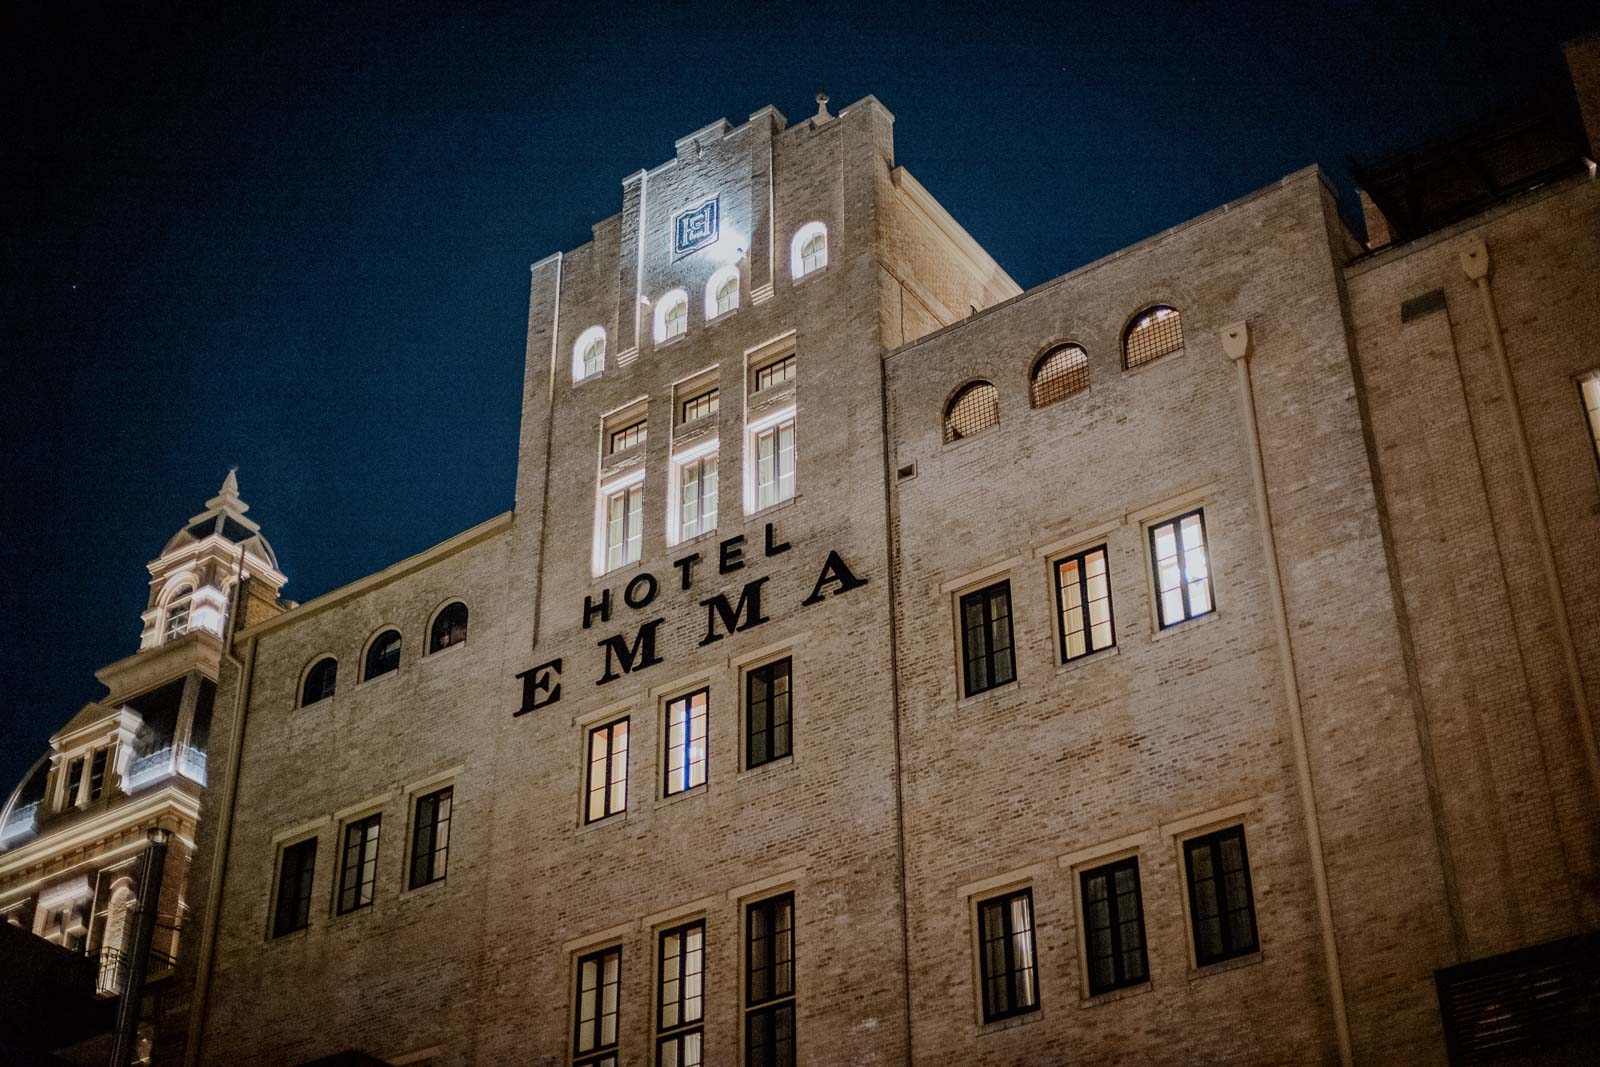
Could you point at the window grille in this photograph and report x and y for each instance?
(1156, 332)
(1060, 373)
(1083, 603)
(986, 651)
(296, 866)
(680, 1000)
(449, 627)
(599, 981)
(974, 409)
(767, 694)
(384, 655)
(320, 681)
(1222, 911)
(1113, 926)
(769, 983)
(359, 871)
(1182, 568)
(608, 771)
(430, 837)
(686, 741)
(1006, 952)
(699, 406)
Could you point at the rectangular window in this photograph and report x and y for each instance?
(624, 520)
(599, 976)
(775, 373)
(986, 652)
(1589, 389)
(686, 741)
(430, 838)
(1083, 602)
(1005, 932)
(359, 871)
(626, 437)
(1182, 568)
(1113, 926)
(698, 406)
(773, 447)
(681, 1003)
(697, 495)
(608, 771)
(296, 865)
(74, 782)
(97, 773)
(767, 712)
(769, 982)
(1221, 909)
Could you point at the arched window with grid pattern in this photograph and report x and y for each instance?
(1058, 374)
(1155, 332)
(974, 408)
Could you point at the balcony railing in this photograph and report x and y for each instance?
(164, 763)
(113, 978)
(20, 823)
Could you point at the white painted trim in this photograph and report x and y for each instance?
(717, 279)
(801, 236)
(581, 346)
(121, 816)
(669, 300)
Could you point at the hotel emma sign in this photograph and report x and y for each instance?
(634, 649)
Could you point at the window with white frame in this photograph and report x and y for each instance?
(808, 252)
(686, 741)
(1181, 567)
(178, 612)
(770, 460)
(589, 353)
(722, 292)
(695, 492)
(672, 316)
(621, 522)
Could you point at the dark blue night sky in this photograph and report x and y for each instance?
(297, 239)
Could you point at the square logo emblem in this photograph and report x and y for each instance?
(692, 230)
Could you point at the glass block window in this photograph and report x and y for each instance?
(1182, 568)
(1155, 332)
(430, 837)
(1006, 952)
(1589, 390)
(1058, 374)
(626, 437)
(697, 495)
(686, 741)
(1222, 912)
(769, 982)
(292, 908)
(767, 712)
(776, 373)
(699, 406)
(986, 652)
(320, 681)
(608, 771)
(358, 872)
(774, 463)
(680, 1004)
(727, 295)
(1113, 926)
(1083, 603)
(599, 982)
(624, 525)
(383, 655)
(975, 408)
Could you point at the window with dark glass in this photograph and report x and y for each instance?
(608, 771)
(778, 372)
(1083, 603)
(74, 782)
(986, 653)
(769, 982)
(680, 1003)
(1113, 926)
(296, 865)
(359, 871)
(599, 979)
(320, 681)
(627, 436)
(97, 773)
(698, 406)
(686, 741)
(1222, 912)
(384, 654)
(449, 627)
(1182, 568)
(767, 692)
(430, 837)
(1006, 953)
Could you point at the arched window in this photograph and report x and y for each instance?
(589, 353)
(320, 681)
(449, 627)
(383, 655)
(672, 316)
(722, 292)
(1154, 332)
(178, 612)
(1058, 374)
(808, 251)
(974, 408)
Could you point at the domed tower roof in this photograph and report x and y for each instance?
(224, 515)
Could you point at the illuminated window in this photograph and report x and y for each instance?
(672, 316)
(769, 982)
(1083, 603)
(1589, 389)
(1058, 374)
(383, 655)
(1113, 926)
(770, 461)
(589, 353)
(767, 712)
(698, 406)
(320, 681)
(623, 518)
(1006, 952)
(1154, 332)
(680, 1002)
(430, 837)
(1182, 568)
(777, 372)
(608, 771)
(296, 865)
(697, 493)
(599, 981)
(626, 437)
(178, 612)
(808, 252)
(686, 741)
(986, 653)
(358, 873)
(1222, 910)
(449, 627)
(722, 292)
(974, 408)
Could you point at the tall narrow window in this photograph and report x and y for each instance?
(773, 449)
(975, 408)
(1083, 603)
(97, 773)
(296, 865)
(320, 681)
(767, 712)
(74, 782)
(686, 741)
(449, 627)
(599, 979)
(1113, 926)
(808, 251)
(178, 612)
(1155, 332)
(1182, 568)
(624, 525)
(430, 837)
(383, 655)
(697, 493)
(986, 652)
(1005, 933)
(1589, 389)
(769, 982)
(358, 872)
(608, 771)
(1222, 911)
(681, 1003)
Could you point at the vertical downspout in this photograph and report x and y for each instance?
(1475, 265)
(126, 1035)
(1237, 344)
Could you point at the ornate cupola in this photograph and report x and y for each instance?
(192, 581)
